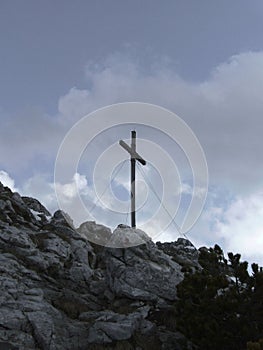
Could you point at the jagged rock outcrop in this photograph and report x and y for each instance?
(138, 273)
(59, 291)
(183, 252)
(35, 205)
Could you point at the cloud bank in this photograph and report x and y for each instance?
(225, 112)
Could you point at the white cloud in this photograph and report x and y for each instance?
(40, 187)
(74, 104)
(241, 226)
(235, 223)
(7, 180)
(70, 190)
(225, 111)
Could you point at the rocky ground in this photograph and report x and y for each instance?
(59, 291)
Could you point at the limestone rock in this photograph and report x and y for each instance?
(138, 273)
(98, 234)
(182, 251)
(35, 205)
(60, 291)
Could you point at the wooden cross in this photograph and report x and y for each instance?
(134, 156)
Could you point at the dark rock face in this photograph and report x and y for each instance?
(35, 205)
(59, 291)
(183, 252)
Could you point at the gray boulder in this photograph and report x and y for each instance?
(143, 272)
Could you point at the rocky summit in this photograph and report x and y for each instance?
(60, 291)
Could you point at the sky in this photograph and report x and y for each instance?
(61, 60)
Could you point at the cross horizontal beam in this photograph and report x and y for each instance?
(134, 154)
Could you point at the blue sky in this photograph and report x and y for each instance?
(61, 60)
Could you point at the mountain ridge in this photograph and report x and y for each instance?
(61, 291)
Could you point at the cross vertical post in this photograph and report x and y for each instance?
(134, 156)
(133, 161)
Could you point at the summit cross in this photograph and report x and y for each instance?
(134, 156)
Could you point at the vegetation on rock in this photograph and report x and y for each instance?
(220, 306)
